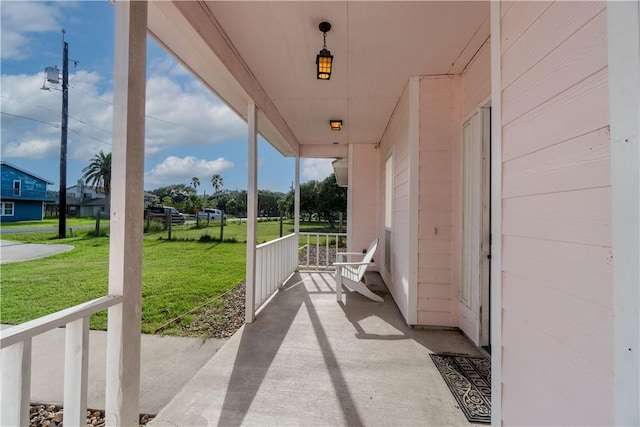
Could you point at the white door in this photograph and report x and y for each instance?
(474, 286)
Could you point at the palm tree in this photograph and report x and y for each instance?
(217, 182)
(195, 181)
(98, 174)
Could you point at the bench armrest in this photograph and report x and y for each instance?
(351, 263)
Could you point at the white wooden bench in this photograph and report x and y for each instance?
(351, 273)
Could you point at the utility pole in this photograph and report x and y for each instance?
(62, 220)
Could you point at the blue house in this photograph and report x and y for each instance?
(23, 194)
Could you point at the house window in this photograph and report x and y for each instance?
(17, 185)
(6, 209)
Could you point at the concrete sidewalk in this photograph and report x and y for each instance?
(168, 363)
(17, 251)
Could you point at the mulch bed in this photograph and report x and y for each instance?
(218, 318)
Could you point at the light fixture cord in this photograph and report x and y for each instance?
(324, 44)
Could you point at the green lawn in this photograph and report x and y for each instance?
(178, 275)
(52, 222)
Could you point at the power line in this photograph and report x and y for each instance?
(148, 117)
(57, 126)
(55, 112)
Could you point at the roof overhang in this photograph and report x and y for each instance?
(263, 53)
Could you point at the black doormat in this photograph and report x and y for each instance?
(469, 379)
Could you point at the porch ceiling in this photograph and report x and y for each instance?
(266, 51)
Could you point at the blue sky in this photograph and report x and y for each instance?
(189, 131)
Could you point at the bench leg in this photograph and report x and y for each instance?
(339, 283)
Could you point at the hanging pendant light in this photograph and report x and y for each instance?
(324, 59)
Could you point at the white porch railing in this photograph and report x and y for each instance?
(319, 250)
(15, 343)
(275, 262)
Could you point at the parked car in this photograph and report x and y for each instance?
(159, 213)
(210, 213)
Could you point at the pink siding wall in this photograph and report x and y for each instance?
(557, 326)
(444, 104)
(396, 141)
(437, 294)
(363, 190)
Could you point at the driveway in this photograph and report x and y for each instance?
(16, 251)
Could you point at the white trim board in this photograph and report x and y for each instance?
(496, 218)
(623, 26)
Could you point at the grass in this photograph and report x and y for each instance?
(53, 222)
(178, 275)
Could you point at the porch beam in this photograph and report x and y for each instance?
(623, 24)
(252, 214)
(126, 222)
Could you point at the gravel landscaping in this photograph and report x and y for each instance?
(53, 416)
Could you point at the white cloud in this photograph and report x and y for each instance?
(20, 19)
(175, 170)
(32, 149)
(187, 115)
(316, 169)
(177, 116)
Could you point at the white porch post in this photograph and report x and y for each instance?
(15, 406)
(252, 213)
(297, 200)
(125, 251)
(496, 216)
(623, 24)
(414, 195)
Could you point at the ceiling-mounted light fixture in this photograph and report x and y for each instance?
(324, 59)
(335, 125)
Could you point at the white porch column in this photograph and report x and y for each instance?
(623, 24)
(127, 182)
(414, 195)
(252, 213)
(296, 220)
(496, 216)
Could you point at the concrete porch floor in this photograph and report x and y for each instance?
(309, 360)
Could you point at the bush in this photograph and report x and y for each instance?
(153, 227)
(104, 232)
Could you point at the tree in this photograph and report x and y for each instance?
(98, 173)
(195, 181)
(232, 206)
(217, 182)
(331, 198)
(177, 192)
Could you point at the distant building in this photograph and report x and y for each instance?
(84, 200)
(23, 194)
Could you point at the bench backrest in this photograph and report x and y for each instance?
(367, 258)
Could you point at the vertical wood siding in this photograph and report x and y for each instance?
(557, 358)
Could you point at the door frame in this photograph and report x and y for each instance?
(476, 226)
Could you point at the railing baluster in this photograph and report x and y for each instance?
(16, 384)
(308, 243)
(76, 368)
(326, 254)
